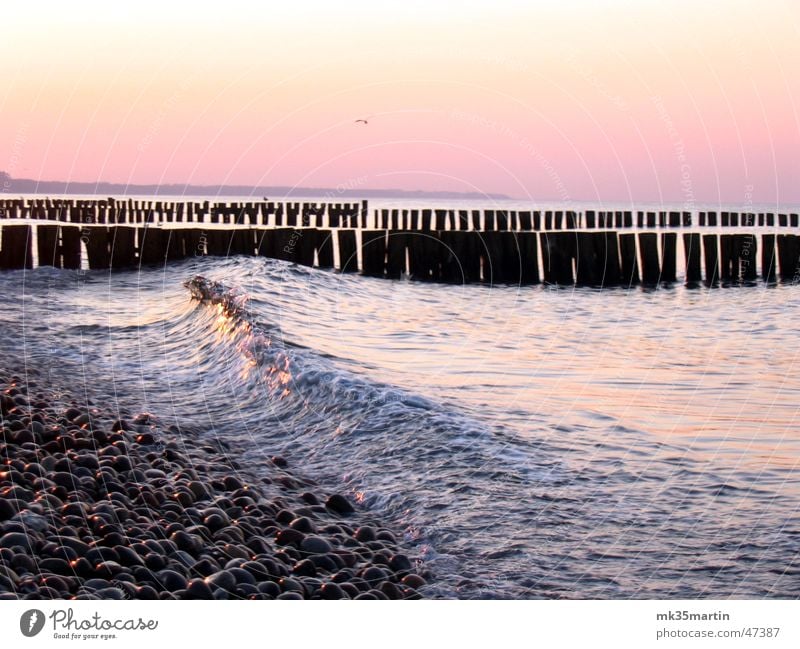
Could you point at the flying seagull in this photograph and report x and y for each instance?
(361, 121)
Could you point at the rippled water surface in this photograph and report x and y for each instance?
(530, 442)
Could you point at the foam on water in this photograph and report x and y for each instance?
(530, 442)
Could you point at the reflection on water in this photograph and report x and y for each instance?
(531, 442)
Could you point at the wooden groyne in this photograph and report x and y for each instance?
(584, 248)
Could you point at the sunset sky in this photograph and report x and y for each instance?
(599, 100)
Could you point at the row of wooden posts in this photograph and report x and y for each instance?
(139, 212)
(584, 258)
(357, 215)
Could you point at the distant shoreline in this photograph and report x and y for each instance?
(13, 186)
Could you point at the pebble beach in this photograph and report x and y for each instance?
(96, 504)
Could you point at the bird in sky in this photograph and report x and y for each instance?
(361, 121)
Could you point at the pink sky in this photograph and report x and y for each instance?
(570, 100)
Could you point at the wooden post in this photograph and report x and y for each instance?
(691, 253)
(396, 244)
(462, 257)
(426, 219)
(319, 215)
(47, 245)
(669, 252)
(588, 268)
(334, 215)
(511, 258)
(528, 245)
(16, 250)
(788, 256)
(425, 252)
(98, 250)
(373, 252)
(152, 245)
(265, 243)
(305, 246)
(610, 257)
(558, 251)
(630, 265)
(173, 244)
(729, 258)
(348, 251)
(648, 252)
(502, 220)
(324, 246)
(747, 248)
(194, 242)
(71, 247)
(768, 257)
(292, 212)
(711, 255)
(492, 258)
(122, 242)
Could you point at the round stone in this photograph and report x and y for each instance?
(339, 504)
(305, 568)
(289, 595)
(289, 536)
(400, 562)
(365, 533)
(414, 581)
(332, 591)
(315, 545)
(222, 579)
(303, 524)
(198, 589)
(171, 580)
